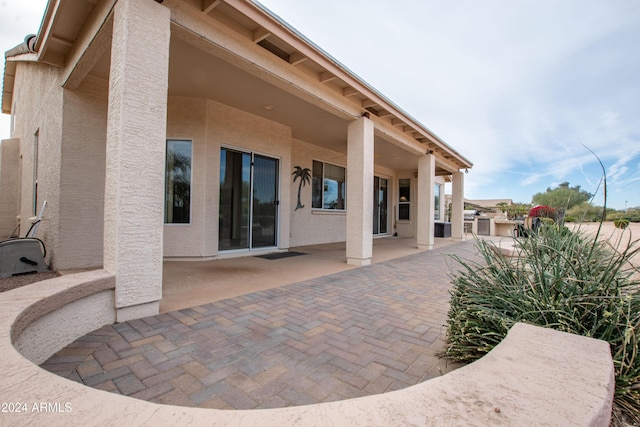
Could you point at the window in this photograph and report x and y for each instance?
(436, 209)
(404, 202)
(328, 186)
(177, 205)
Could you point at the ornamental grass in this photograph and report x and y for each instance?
(560, 279)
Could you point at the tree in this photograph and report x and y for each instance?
(562, 197)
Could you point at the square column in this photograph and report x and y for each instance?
(457, 206)
(426, 201)
(360, 192)
(135, 155)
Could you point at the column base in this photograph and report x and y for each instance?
(359, 261)
(425, 246)
(124, 314)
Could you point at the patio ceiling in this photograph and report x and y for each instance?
(193, 72)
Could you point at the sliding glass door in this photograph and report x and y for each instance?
(380, 201)
(248, 201)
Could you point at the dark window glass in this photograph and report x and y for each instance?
(404, 199)
(178, 183)
(329, 186)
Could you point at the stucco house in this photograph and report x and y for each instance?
(183, 129)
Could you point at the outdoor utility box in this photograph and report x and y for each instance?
(21, 256)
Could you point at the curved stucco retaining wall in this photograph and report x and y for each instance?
(535, 376)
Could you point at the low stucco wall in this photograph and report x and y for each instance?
(535, 376)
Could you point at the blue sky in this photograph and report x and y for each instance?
(518, 87)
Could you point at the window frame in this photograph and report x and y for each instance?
(166, 183)
(437, 200)
(405, 202)
(313, 187)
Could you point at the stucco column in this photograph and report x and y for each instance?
(360, 192)
(426, 201)
(135, 155)
(457, 206)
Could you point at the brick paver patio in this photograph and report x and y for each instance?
(363, 331)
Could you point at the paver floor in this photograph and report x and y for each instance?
(363, 331)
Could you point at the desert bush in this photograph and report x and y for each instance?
(621, 223)
(560, 279)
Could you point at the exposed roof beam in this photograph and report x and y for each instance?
(367, 103)
(296, 58)
(209, 5)
(384, 113)
(260, 34)
(349, 91)
(326, 77)
(397, 122)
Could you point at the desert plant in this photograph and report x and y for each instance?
(621, 223)
(560, 279)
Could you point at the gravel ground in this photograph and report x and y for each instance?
(9, 283)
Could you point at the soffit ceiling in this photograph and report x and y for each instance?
(193, 72)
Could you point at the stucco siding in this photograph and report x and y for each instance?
(82, 175)
(38, 104)
(312, 226)
(186, 120)
(212, 125)
(9, 185)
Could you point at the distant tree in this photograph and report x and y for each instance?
(502, 206)
(562, 197)
(518, 209)
(585, 211)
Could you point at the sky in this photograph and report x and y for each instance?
(524, 89)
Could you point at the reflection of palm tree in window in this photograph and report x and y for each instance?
(178, 186)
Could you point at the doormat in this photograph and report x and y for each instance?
(279, 255)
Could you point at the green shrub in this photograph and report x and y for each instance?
(562, 280)
(621, 223)
(547, 221)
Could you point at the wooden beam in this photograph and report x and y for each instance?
(326, 77)
(209, 5)
(260, 34)
(367, 103)
(296, 58)
(349, 91)
(397, 122)
(384, 113)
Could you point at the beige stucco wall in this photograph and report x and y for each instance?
(9, 185)
(82, 176)
(309, 226)
(186, 120)
(212, 125)
(38, 102)
(315, 226)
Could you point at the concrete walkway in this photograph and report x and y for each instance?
(353, 333)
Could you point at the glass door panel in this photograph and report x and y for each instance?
(235, 181)
(265, 202)
(380, 200)
(248, 213)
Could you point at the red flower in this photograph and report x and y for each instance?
(542, 212)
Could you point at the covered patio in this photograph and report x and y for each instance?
(187, 284)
